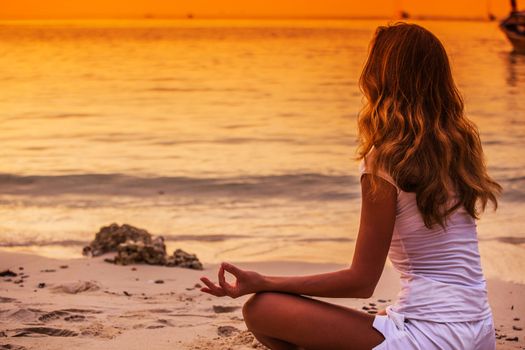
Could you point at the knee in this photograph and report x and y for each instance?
(256, 307)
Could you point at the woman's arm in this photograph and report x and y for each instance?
(378, 213)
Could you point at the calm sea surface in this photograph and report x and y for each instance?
(233, 139)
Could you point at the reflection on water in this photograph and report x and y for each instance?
(239, 131)
(516, 69)
(515, 79)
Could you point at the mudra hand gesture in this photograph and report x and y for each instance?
(247, 282)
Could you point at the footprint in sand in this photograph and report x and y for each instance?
(37, 331)
(30, 315)
(219, 309)
(23, 315)
(97, 329)
(59, 314)
(12, 347)
(155, 326)
(51, 316)
(82, 311)
(76, 287)
(165, 322)
(160, 311)
(148, 315)
(75, 318)
(6, 300)
(236, 340)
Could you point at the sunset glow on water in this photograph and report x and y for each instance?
(233, 139)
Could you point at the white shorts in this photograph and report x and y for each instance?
(426, 335)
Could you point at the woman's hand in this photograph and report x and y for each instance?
(246, 282)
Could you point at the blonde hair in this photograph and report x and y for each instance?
(414, 119)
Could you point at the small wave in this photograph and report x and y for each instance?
(199, 90)
(79, 243)
(515, 179)
(71, 115)
(185, 238)
(205, 238)
(56, 116)
(230, 141)
(513, 189)
(325, 239)
(303, 186)
(62, 243)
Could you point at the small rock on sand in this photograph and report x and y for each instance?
(8, 273)
(227, 331)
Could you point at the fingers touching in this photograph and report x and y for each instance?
(224, 288)
(222, 281)
(234, 270)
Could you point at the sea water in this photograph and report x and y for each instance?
(235, 140)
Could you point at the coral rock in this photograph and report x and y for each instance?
(134, 245)
(183, 259)
(109, 237)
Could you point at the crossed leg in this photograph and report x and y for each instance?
(284, 321)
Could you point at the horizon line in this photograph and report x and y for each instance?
(191, 17)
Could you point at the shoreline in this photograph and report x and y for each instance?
(501, 256)
(89, 303)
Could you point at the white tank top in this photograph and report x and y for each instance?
(441, 275)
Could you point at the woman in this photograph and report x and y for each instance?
(424, 183)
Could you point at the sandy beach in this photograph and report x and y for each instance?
(87, 303)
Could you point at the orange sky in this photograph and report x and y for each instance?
(60, 9)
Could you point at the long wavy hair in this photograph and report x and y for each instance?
(413, 120)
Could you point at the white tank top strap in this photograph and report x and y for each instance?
(364, 168)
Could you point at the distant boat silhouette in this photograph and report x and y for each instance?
(514, 28)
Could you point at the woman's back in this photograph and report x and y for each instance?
(441, 275)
